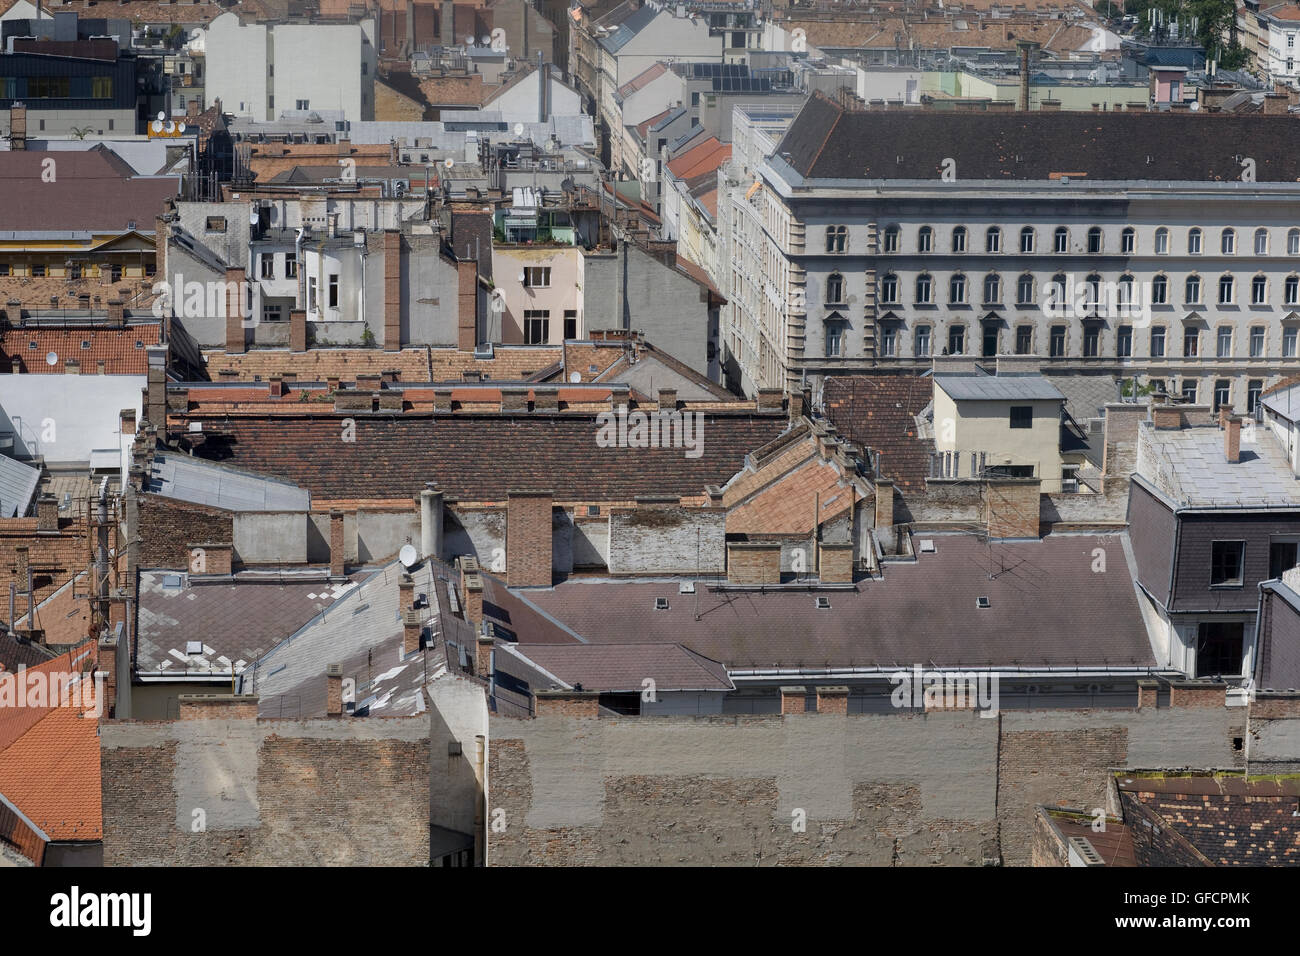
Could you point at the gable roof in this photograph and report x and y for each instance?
(94, 190)
(31, 345)
(826, 141)
(879, 412)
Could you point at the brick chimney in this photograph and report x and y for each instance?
(47, 513)
(884, 504)
(18, 127)
(116, 314)
(126, 421)
(411, 628)
(467, 305)
(794, 700)
(471, 592)
(22, 566)
(337, 569)
(297, 330)
(1011, 507)
(1166, 417)
(528, 538)
(483, 656)
(405, 592)
(566, 703)
(218, 706)
(235, 293)
(832, 700)
(668, 399)
(106, 664)
(753, 562)
(211, 559)
(1232, 440)
(392, 291)
(160, 248)
(72, 367)
(333, 690)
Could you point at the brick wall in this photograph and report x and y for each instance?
(566, 703)
(1011, 508)
(528, 539)
(753, 563)
(167, 527)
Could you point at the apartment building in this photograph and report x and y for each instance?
(1162, 247)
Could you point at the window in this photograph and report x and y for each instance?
(272, 313)
(1026, 240)
(74, 270)
(215, 224)
(959, 239)
(1189, 390)
(303, 105)
(537, 277)
(1288, 343)
(1092, 293)
(38, 269)
(1124, 341)
(957, 289)
(1292, 290)
(993, 239)
(837, 237)
(1257, 341)
(1254, 388)
(1160, 290)
(1094, 240)
(923, 289)
(291, 265)
(922, 340)
(537, 326)
(1024, 339)
(1158, 342)
(889, 289)
(1293, 242)
(1281, 557)
(924, 239)
(1223, 345)
(1025, 290)
(1226, 561)
(1162, 241)
(4, 268)
(1228, 242)
(1261, 242)
(1061, 240)
(1127, 240)
(1259, 291)
(834, 339)
(311, 293)
(889, 340)
(1222, 394)
(1022, 416)
(1225, 290)
(957, 340)
(1091, 340)
(1192, 290)
(891, 239)
(268, 266)
(992, 289)
(1194, 242)
(115, 273)
(1191, 342)
(1218, 648)
(333, 301)
(570, 323)
(1124, 292)
(834, 288)
(1057, 347)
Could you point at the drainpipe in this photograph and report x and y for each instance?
(480, 829)
(302, 275)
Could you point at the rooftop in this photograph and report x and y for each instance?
(879, 412)
(205, 483)
(622, 668)
(1189, 466)
(998, 388)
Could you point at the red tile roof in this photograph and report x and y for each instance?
(697, 160)
(117, 348)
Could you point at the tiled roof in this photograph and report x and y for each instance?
(271, 159)
(1047, 609)
(64, 616)
(319, 365)
(879, 412)
(702, 158)
(15, 653)
(49, 762)
(477, 459)
(826, 141)
(508, 363)
(648, 75)
(786, 506)
(453, 90)
(91, 192)
(621, 668)
(116, 348)
(54, 557)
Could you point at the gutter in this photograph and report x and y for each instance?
(1100, 670)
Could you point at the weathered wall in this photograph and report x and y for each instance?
(271, 537)
(381, 534)
(667, 540)
(166, 526)
(900, 789)
(481, 533)
(327, 792)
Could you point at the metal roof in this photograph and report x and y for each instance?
(204, 483)
(17, 485)
(997, 388)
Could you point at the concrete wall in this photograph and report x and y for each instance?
(667, 541)
(884, 789)
(65, 417)
(271, 538)
(481, 533)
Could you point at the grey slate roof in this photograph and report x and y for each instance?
(621, 668)
(204, 483)
(17, 485)
(628, 29)
(997, 388)
(1194, 471)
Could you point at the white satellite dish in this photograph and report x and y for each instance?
(51, 358)
(408, 556)
(575, 377)
(519, 129)
(161, 116)
(449, 162)
(157, 126)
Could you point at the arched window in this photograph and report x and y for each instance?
(957, 289)
(1192, 290)
(992, 288)
(837, 238)
(1293, 242)
(1092, 293)
(891, 238)
(924, 239)
(1128, 240)
(1124, 294)
(1162, 241)
(1261, 242)
(993, 239)
(889, 289)
(1227, 289)
(1094, 240)
(1027, 240)
(1159, 289)
(1025, 289)
(1228, 242)
(924, 289)
(1194, 242)
(959, 239)
(834, 288)
(1061, 239)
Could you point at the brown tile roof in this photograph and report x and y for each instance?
(478, 459)
(1046, 610)
(269, 160)
(879, 412)
(701, 159)
(87, 346)
(36, 292)
(91, 192)
(786, 506)
(142, 11)
(64, 616)
(453, 90)
(508, 363)
(648, 75)
(49, 761)
(319, 365)
(621, 668)
(54, 558)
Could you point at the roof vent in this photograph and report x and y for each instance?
(927, 546)
(823, 604)
(983, 603)
(333, 670)
(661, 604)
(194, 648)
(686, 587)
(172, 581)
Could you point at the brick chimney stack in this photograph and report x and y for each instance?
(1232, 440)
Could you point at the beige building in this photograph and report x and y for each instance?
(538, 294)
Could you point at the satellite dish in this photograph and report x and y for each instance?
(161, 116)
(170, 127)
(449, 162)
(519, 129)
(51, 358)
(1194, 106)
(575, 377)
(157, 126)
(408, 556)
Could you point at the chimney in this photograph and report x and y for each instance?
(276, 384)
(22, 574)
(1011, 507)
(430, 523)
(217, 707)
(337, 569)
(297, 330)
(1166, 417)
(72, 367)
(106, 664)
(405, 592)
(884, 504)
(211, 559)
(483, 655)
(116, 313)
(472, 595)
(392, 291)
(333, 690)
(100, 367)
(156, 395)
(160, 247)
(668, 399)
(794, 700)
(235, 293)
(1232, 440)
(47, 513)
(528, 538)
(411, 630)
(833, 700)
(467, 304)
(18, 127)
(753, 562)
(1024, 46)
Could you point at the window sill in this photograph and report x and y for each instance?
(1230, 586)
